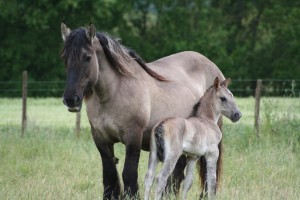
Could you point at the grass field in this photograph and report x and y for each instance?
(50, 162)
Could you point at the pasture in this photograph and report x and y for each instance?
(50, 162)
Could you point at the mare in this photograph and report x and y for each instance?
(196, 136)
(125, 97)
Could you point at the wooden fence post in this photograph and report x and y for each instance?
(78, 116)
(24, 102)
(257, 106)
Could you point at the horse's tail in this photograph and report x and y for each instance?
(202, 165)
(159, 132)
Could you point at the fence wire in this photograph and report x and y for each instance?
(240, 87)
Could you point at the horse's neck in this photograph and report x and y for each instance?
(107, 78)
(207, 108)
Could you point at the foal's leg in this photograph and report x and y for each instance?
(212, 159)
(167, 168)
(203, 165)
(110, 175)
(177, 176)
(150, 173)
(191, 161)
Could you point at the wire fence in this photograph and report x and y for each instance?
(34, 88)
(270, 87)
(239, 87)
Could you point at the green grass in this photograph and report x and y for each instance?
(50, 162)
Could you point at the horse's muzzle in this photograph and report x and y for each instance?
(73, 103)
(236, 116)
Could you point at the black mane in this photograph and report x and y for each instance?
(195, 107)
(118, 47)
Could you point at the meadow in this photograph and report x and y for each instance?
(50, 162)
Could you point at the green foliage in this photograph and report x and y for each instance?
(246, 39)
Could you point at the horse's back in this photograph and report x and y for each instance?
(190, 69)
(186, 65)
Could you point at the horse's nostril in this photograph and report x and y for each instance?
(76, 99)
(237, 115)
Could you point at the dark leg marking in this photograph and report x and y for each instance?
(130, 171)
(111, 181)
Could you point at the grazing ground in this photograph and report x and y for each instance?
(50, 162)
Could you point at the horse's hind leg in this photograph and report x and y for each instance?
(177, 176)
(191, 161)
(167, 168)
(110, 175)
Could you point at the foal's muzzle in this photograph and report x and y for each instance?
(236, 116)
(73, 103)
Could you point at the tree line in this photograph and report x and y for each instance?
(246, 39)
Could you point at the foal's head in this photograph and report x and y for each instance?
(224, 100)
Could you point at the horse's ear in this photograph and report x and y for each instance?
(65, 31)
(226, 82)
(91, 32)
(216, 83)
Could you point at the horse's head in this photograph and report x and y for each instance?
(225, 100)
(79, 56)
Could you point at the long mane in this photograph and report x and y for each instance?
(118, 55)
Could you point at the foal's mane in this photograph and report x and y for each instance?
(118, 55)
(197, 105)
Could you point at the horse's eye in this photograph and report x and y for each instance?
(87, 58)
(223, 99)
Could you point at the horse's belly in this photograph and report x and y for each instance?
(192, 149)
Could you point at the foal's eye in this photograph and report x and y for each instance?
(223, 99)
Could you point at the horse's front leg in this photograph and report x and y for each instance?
(133, 142)
(111, 181)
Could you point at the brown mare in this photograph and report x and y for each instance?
(197, 136)
(125, 97)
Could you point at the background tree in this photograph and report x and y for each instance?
(246, 39)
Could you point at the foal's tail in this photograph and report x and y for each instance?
(202, 165)
(159, 141)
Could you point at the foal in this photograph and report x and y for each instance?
(196, 136)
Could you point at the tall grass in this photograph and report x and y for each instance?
(50, 162)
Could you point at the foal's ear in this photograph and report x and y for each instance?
(226, 82)
(216, 83)
(65, 31)
(91, 32)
